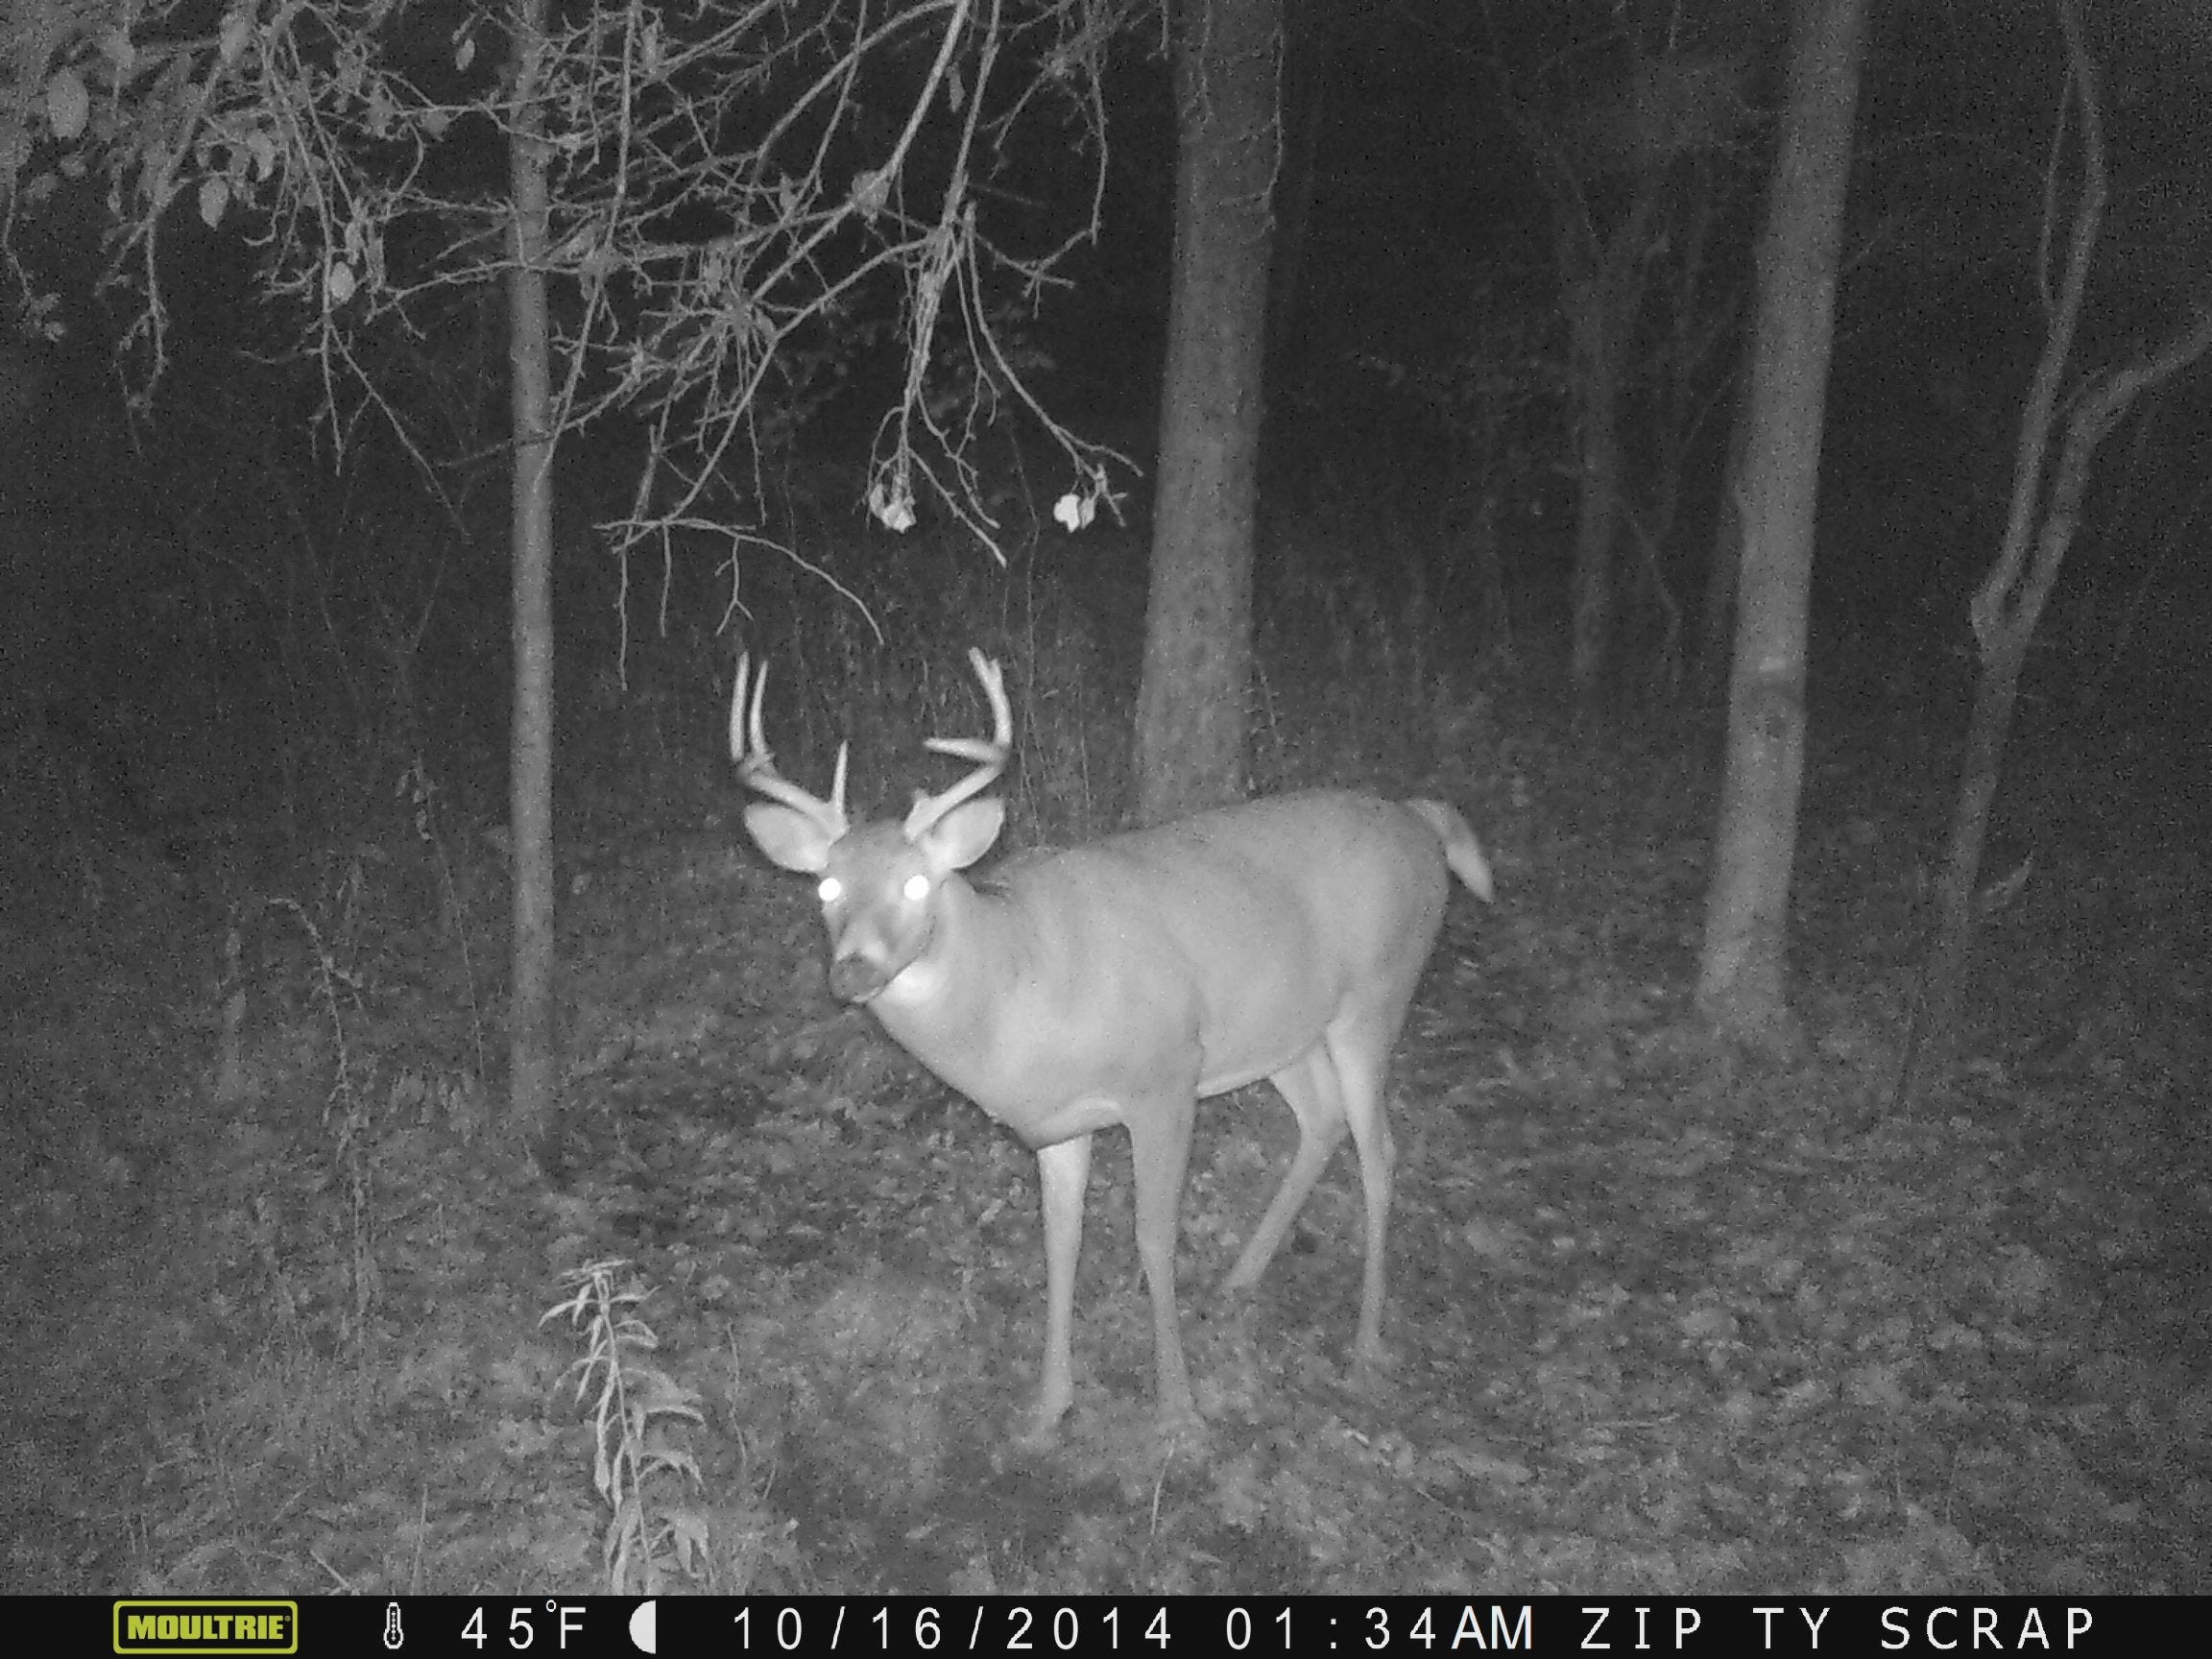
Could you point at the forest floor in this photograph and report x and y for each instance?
(1664, 1321)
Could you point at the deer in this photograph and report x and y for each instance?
(1123, 981)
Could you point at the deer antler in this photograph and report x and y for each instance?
(757, 768)
(988, 754)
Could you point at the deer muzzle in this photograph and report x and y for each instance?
(854, 978)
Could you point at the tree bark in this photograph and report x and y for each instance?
(533, 1079)
(1598, 497)
(1604, 290)
(1741, 970)
(1307, 51)
(1725, 561)
(1190, 707)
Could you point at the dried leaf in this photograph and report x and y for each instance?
(67, 104)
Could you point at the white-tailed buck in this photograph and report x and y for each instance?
(1124, 981)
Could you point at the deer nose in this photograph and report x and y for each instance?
(856, 978)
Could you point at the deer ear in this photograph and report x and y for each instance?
(963, 834)
(789, 838)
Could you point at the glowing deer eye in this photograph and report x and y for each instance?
(831, 891)
(917, 889)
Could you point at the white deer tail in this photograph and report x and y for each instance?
(1461, 850)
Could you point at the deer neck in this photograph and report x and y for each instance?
(946, 1006)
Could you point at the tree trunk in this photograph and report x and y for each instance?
(1198, 620)
(1741, 969)
(2006, 608)
(2009, 601)
(533, 1057)
(1726, 558)
(1597, 499)
(1307, 51)
(1603, 293)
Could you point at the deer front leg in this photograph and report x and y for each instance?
(1064, 1172)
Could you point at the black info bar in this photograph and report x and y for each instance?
(1142, 1626)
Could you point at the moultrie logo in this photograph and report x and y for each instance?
(187, 1626)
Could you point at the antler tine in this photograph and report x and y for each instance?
(737, 708)
(990, 754)
(757, 767)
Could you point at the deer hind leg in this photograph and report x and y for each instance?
(1309, 1084)
(1360, 1065)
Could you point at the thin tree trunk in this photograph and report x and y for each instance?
(1191, 712)
(2006, 608)
(1604, 293)
(532, 1051)
(1597, 500)
(1726, 560)
(1741, 983)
